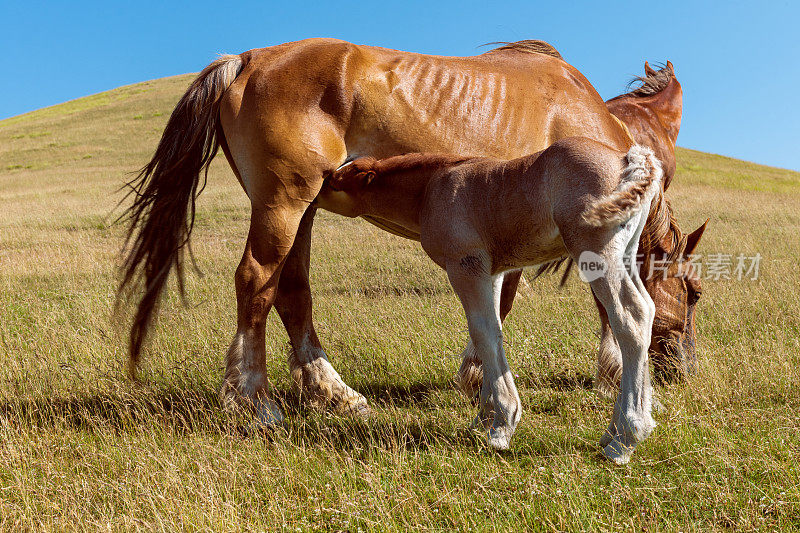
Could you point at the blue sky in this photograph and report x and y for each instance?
(739, 63)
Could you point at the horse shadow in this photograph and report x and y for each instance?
(198, 410)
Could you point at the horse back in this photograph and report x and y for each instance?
(504, 103)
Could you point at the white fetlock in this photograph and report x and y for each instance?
(319, 382)
(636, 428)
(630, 431)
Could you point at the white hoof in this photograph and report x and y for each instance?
(360, 409)
(480, 422)
(498, 439)
(607, 437)
(618, 452)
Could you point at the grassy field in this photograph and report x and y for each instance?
(82, 448)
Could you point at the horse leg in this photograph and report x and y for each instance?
(499, 404)
(279, 150)
(272, 231)
(630, 314)
(313, 374)
(609, 357)
(470, 374)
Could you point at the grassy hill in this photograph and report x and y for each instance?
(83, 448)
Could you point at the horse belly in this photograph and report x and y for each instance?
(519, 249)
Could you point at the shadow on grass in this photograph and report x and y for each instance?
(567, 380)
(115, 411)
(413, 394)
(401, 419)
(195, 402)
(382, 291)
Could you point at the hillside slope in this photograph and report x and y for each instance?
(83, 448)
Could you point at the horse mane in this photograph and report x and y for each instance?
(531, 46)
(652, 83)
(661, 232)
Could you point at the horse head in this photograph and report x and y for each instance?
(675, 287)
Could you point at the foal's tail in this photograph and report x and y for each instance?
(162, 215)
(640, 182)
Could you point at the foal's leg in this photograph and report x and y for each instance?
(313, 374)
(470, 374)
(630, 317)
(499, 405)
(609, 356)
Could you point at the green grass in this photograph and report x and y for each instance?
(83, 448)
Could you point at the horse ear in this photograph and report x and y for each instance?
(647, 70)
(694, 239)
(670, 67)
(369, 175)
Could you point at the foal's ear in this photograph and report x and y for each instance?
(694, 239)
(361, 171)
(647, 70)
(367, 177)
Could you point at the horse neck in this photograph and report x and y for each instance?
(648, 128)
(396, 195)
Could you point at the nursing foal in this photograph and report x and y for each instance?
(480, 217)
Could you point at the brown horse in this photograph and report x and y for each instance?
(652, 113)
(286, 115)
(478, 218)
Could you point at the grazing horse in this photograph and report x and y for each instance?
(479, 217)
(652, 115)
(285, 116)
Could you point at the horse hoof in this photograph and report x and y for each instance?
(606, 439)
(268, 418)
(481, 422)
(268, 415)
(498, 439)
(360, 410)
(618, 452)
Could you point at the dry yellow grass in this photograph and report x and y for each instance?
(83, 449)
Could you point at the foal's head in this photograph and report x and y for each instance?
(344, 187)
(675, 288)
(360, 185)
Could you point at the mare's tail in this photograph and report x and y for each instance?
(162, 215)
